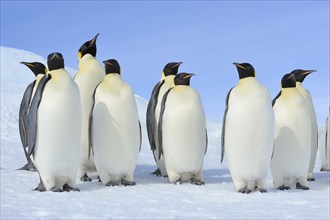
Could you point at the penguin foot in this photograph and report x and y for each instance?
(98, 177)
(245, 191)
(299, 186)
(197, 182)
(283, 187)
(56, 190)
(157, 172)
(310, 179)
(40, 187)
(28, 167)
(127, 183)
(323, 169)
(85, 178)
(260, 190)
(111, 184)
(68, 188)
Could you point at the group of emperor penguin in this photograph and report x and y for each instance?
(73, 128)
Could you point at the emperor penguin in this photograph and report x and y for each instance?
(54, 121)
(89, 75)
(153, 110)
(182, 132)
(115, 130)
(292, 147)
(248, 131)
(327, 142)
(300, 75)
(39, 70)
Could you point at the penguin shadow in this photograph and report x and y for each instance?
(214, 176)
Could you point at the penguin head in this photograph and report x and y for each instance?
(288, 81)
(171, 68)
(300, 74)
(183, 79)
(55, 61)
(36, 67)
(89, 47)
(112, 66)
(245, 70)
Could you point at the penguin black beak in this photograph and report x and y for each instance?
(105, 62)
(239, 65)
(177, 64)
(308, 72)
(189, 75)
(93, 41)
(27, 64)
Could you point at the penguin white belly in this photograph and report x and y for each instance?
(292, 147)
(160, 162)
(58, 135)
(249, 136)
(184, 135)
(87, 82)
(116, 135)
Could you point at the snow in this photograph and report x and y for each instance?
(153, 197)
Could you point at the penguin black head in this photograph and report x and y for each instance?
(171, 68)
(245, 70)
(288, 81)
(36, 67)
(183, 79)
(112, 66)
(55, 61)
(300, 74)
(89, 47)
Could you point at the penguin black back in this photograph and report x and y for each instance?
(171, 68)
(300, 74)
(55, 61)
(112, 66)
(36, 67)
(245, 70)
(183, 79)
(89, 47)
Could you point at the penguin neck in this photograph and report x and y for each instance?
(247, 81)
(168, 79)
(90, 64)
(292, 91)
(111, 76)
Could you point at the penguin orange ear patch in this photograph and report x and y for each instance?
(79, 55)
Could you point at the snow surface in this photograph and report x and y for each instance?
(153, 197)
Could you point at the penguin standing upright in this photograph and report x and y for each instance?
(327, 142)
(153, 110)
(248, 131)
(292, 146)
(300, 75)
(39, 71)
(54, 128)
(182, 132)
(89, 75)
(115, 129)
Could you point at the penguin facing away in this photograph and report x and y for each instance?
(292, 147)
(54, 121)
(115, 131)
(248, 131)
(153, 110)
(39, 71)
(90, 74)
(300, 75)
(182, 132)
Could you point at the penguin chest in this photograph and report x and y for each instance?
(183, 131)
(249, 132)
(115, 129)
(58, 128)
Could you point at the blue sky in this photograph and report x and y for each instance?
(207, 36)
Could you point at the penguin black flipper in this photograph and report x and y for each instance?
(224, 126)
(90, 122)
(140, 136)
(276, 97)
(23, 117)
(160, 123)
(151, 121)
(206, 142)
(33, 114)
